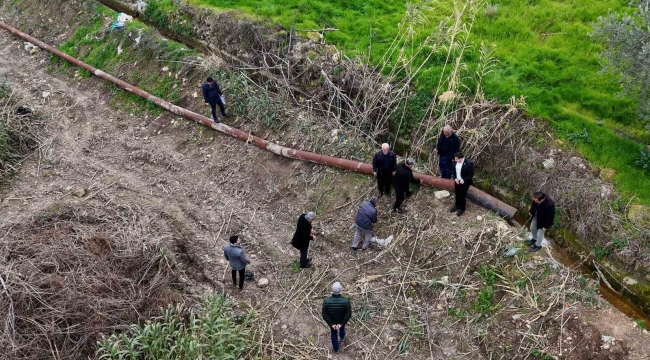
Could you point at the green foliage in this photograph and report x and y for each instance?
(158, 13)
(488, 274)
(544, 54)
(600, 252)
(620, 243)
(643, 161)
(415, 329)
(579, 136)
(540, 354)
(483, 304)
(640, 323)
(295, 267)
(211, 331)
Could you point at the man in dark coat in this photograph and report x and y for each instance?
(448, 144)
(336, 312)
(543, 212)
(463, 178)
(303, 236)
(384, 165)
(401, 183)
(212, 96)
(363, 223)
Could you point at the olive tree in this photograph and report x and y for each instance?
(626, 41)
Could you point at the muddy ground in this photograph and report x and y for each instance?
(418, 296)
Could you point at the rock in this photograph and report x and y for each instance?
(502, 225)
(575, 160)
(195, 95)
(34, 50)
(582, 166)
(80, 192)
(607, 174)
(284, 326)
(222, 261)
(263, 282)
(549, 163)
(605, 191)
(479, 217)
(447, 96)
(165, 69)
(46, 174)
(442, 194)
(630, 281)
(46, 94)
(639, 215)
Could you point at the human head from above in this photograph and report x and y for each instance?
(310, 216)
(539, 197)
(209, 80)
(410, 163)
(459, 157)
(447, 130)
(373, 200)
(384, 148)
(235, 239)
(337, 288)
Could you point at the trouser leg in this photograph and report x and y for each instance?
(388, 179)
(357, 237)
(342, 332)
(335, 339)
(380, 183)
(303, 257)
(461, 195)
(366, 241)
(399, 198)
(222, 108)
(242, 274)
(446, 167)
(213, 106)
(234, 277)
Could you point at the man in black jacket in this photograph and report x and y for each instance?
(543, 212)
(463, 176)
(212, 96)
(383, 167)
(401, 182)
(303, 236)
(336, 312)
(448, 144)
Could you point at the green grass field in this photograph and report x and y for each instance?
(544, 54)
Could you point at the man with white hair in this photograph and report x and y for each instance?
(448, 144)
(303, 236)
(336, 312)
(384, 165)
(402, 182)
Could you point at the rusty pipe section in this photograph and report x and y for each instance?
(474, 194)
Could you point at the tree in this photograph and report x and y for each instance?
(626, 41)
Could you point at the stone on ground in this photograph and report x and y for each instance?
(80, 192)
(263, 282)
(442, 194)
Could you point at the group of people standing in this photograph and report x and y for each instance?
(336, 309)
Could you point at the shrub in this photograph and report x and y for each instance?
(643, 161)
(212, 331)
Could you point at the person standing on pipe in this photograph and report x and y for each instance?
(213, 97)
(303, 236)
(401, 183)
(463, 178)
(543, 212)
(235, 256)
(366, 217)
(384, 165)
(448, 144)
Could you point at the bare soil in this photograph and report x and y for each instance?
(205, 187)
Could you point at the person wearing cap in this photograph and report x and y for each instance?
(384, 165)
(336, 312)
(448, 144)
(303, 236)
(366, 217)
(235, 256)
(463, 178)
(401, 182)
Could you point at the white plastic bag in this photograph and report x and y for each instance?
(223, 99)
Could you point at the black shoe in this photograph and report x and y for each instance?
(380, 195)
(226, 115)
(388, 194)
(460, 212)
(399, 211)
(532, 242)
(216, 121)
(535, 248)
(306, 266)
(308, 260)
(453, 208)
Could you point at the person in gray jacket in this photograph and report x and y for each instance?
(366, 217)
(235, 255)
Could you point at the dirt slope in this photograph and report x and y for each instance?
(205, 186)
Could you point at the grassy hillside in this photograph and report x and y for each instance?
(545, 55)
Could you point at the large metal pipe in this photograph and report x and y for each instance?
(474, 194)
